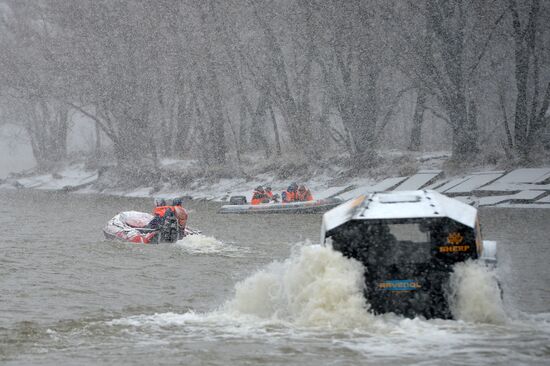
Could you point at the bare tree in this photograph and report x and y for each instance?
(29, 84)
(533, 93)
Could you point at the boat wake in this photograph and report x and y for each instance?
(316, 296)
(318, 288)
(202, 244)
(314, 299)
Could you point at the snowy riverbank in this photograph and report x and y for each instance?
(523, 187)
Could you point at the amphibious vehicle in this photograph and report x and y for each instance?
(408, 243)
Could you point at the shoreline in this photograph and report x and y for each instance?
(518, 188)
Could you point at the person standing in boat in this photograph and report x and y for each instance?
(260, 196)
(181, 215)
(162, 210)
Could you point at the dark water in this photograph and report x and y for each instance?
(67, 296)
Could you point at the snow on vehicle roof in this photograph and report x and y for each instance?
(399, 205)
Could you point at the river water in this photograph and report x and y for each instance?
(251, 290)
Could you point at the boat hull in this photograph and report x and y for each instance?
(317, 206)
(133, 227)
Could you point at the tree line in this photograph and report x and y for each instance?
(217, 79)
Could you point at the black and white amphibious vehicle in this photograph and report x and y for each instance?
(408, 242)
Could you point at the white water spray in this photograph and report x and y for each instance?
(201, 244)
(316, 286)
(316, 297)
(475, 294)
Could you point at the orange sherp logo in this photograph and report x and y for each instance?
(454, 248)
(455, 238)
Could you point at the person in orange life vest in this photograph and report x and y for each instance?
(181, 213)
(269, 192)
(303, 194)
(272, 197)
(290, 194)
(259, 196)
(160, 212)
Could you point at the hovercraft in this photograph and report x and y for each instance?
(408, 242)
(133, 226)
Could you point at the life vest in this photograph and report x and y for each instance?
(179, 212)
(289, 196)
(161, 210)
(304, 196)
(259, 197)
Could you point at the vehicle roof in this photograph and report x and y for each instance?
(400, 205)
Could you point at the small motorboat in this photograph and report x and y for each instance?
(238, 206)
(408, 243)
(133, 226)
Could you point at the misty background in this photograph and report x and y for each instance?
(293, 84)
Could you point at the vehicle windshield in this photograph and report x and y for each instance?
(398, 244)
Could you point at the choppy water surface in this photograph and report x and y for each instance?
(251, 290)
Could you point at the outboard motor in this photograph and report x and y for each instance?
(408, 243)
(237, 200)
(169, 231)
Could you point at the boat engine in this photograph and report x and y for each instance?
(169, 229)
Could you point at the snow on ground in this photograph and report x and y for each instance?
(178, 162)
(521, 179)
(73, 176)
(545, 200)
(515, 188)
(418, 180)
(521, 196)
(474, 181)
(371, 186)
